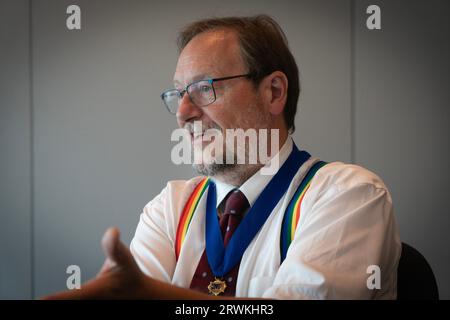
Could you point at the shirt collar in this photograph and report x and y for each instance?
(256, 183)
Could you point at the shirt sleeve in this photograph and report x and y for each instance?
(152, 245)
(346, 231)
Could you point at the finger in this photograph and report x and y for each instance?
(107, 266)
(115, 250)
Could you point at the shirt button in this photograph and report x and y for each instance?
(230, 279)
(204, 274)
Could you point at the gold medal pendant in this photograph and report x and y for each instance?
(217, 287)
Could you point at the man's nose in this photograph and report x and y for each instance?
(187, 111)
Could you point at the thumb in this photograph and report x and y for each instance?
(115, 251)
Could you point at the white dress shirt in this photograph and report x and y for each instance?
(346, 226)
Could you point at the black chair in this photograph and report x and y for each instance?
(415, 278)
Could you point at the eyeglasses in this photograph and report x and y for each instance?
(201, 93)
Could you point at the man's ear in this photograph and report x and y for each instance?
(276, 88)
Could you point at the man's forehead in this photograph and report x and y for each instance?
(209, 53)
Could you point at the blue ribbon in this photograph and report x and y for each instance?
(221, 259)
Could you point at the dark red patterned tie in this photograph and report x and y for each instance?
(235, 206)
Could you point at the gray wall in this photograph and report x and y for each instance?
(85, 141)
(402, 117)
(15, 152)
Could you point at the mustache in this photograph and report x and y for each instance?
(199, 127)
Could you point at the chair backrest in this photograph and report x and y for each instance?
(415, 278)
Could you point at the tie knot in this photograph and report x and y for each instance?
(236, 203)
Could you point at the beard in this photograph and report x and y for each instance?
(213, 169)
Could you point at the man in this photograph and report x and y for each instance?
(232, 235)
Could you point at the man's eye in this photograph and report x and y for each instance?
(205, 88)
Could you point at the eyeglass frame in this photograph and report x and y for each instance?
(211, 82)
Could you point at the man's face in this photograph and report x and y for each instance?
(238, 103)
